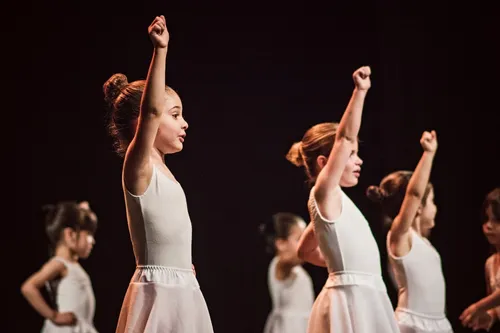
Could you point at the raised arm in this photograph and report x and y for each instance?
(31, 291)
(308, 249)
(137, 166)
(344, 146)
(400, 240)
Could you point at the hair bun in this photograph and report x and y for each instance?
(375, 193)
(295, 154)
(113, 86)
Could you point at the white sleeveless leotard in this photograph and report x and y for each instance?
(164, 295)
(354, 298)
(292, 300)
(421, 288)
(74, 294)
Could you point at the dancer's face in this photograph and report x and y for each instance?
(428, 212)
(352, 170)
(80, 243)
(491, 228)
(287, 248)
(172, 130)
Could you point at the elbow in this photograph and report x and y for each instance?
(26, 289)
(151, 110)
(343, 138)
(301, 253)
(414, 193)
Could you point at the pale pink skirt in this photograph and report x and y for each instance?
(163, 300)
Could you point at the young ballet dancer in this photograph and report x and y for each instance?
(290, 286)
(147, 123)
(407, 198)
(70, 227)
(425, 233)
(354, 298)
(486, 312)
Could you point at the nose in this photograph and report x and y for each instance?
(185, 125)
(487, 225)
(360, 161)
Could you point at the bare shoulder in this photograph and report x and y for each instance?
(137, 172)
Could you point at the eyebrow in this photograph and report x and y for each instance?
(175, 108)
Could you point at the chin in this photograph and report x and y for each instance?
(173, 150)
(349, 183)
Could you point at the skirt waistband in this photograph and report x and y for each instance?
(345, 278)
(171, 276)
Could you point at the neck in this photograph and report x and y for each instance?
(157, 155)
(64, 252)
(416, 226)
(283, 269)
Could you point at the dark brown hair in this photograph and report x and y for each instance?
(278, 227)
(67, 214)
(124, 101)
(492, 200)
(318, 140)
(391, 193)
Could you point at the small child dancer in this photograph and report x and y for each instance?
(486, 312)
(354, 298)
(147, 123)
(290, 286)
(408, 200)
(70, 227)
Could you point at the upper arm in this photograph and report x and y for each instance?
(403, 221)
(487, 277)
(50, 271)
(400, 237)
(328, 181)
(137, 169)
(308, 241)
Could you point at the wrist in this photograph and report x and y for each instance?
(161, 49)
(52, 316)
(360, 91)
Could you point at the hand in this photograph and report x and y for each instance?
(158, 32)
(64, 319)
(84, 205)
(194, 271)
(484, 321)
(471, 315)
(429, 141)
(362, 78)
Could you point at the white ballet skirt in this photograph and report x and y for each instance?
(292, 300)
(74, 294)
(421, 288)
(354, 298)
(163, 295)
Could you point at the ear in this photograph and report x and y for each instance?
(69, 235)
(321, 161)
(280, 244)
(420, 209)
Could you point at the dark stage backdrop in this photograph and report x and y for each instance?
(253, 77)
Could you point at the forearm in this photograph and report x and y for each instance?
(351, 119)
(314, 257)
(489, 302)
(420, 177)
(35, 298)
(153, 98)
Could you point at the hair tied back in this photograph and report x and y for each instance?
(375, 193)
